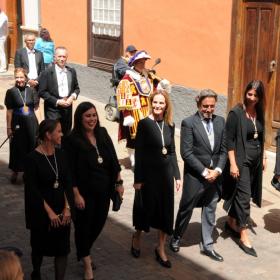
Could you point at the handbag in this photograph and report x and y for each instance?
(116, 197)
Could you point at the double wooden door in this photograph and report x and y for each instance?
(255, 54)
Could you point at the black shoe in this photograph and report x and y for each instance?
(213, 255)
(134, 252)
(229, 229)
(275, 183)
(163, 263)
(248, 250)
(35, 275)
(174, 244)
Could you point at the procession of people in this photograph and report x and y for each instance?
(71, 169)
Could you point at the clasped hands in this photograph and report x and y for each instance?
(62, 219)
(65, 102)
(212, 175)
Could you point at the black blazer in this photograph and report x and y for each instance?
(197, 153)
(21, 60)
(236, 137)
(48, 87)
(277, 163)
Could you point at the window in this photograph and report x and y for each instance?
(106, 17)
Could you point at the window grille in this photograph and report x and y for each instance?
(106, 17)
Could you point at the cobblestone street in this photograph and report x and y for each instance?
(111, 252)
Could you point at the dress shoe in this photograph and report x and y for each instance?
(174, 244)
(163, 263)
(134, 252)
(275, 183)
(213, 255)
(248, 250)
(230, 230)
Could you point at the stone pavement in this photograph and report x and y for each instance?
(111, 250)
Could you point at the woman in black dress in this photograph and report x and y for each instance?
(155, 170)
(245, 143)
(48, 200)
(95, 171)
(22, 124)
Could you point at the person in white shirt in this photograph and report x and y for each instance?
(30, 59)
(3, 38)
(59, 87)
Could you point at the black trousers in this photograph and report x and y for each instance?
(240, 208)
(89, 224)
(277, 163)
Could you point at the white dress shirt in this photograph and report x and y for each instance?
(210, 134)
(33, 73)
(62, 81)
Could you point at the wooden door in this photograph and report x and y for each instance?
(12, 42)
(105, 33)
(254, 55)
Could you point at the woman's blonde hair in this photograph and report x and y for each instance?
(10, 267)
(168, 118)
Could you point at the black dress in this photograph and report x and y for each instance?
(39, 181)
(95, 182)
(24, 125)
(157, 172)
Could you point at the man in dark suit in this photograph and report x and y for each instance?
(31, 60)
(204, 153)
(59, 88)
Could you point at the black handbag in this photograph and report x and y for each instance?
(116, 197)
(117, 201)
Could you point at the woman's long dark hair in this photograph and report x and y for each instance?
(78, 128)
(257, 85)
(45, 35)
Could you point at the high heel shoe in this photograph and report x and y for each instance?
(248, 250)
(230, 230)
(134, 252)
(163, 263)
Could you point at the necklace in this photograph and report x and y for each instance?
(25, 107)
(54, 169)
(253, 119)
(163, 150)
(99, 158)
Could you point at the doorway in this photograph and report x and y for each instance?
(254, 55)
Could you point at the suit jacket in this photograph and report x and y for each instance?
(197, 153)
(48, 88)
(21, 60)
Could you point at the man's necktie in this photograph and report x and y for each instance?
(208, 124)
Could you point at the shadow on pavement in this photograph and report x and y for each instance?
(272, 221)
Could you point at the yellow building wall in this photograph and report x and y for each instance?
(191, 37)
(67, 22)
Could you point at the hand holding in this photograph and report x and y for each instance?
(9, 132)
(120, 190)
(62, 103)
